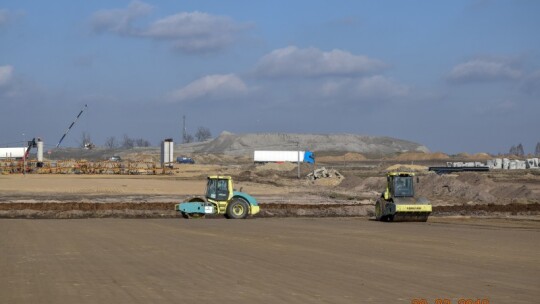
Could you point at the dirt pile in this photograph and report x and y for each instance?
(465, 188)
(166, 210)
(373, 184)
(325, 177)
(276, 167)
(347, 157)
(415, 156)
(245, 144)
(477, 156)
(406, 168)
(324, 173)
(473, 188)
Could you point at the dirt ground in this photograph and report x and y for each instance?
(278, 260)
(274, 185)
(312, 242)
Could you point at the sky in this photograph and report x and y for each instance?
(456, 76)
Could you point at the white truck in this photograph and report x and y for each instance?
(16, 153)
(283, 156)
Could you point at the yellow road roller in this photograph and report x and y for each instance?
(220, 198)
(398, 202)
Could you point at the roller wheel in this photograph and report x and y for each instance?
(378, 211)
(238, 208)
(193, 215)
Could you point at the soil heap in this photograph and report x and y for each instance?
(244, 144)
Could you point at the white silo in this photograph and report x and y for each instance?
(167, 152)
(39, 150)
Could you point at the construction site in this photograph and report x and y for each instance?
(83, 226)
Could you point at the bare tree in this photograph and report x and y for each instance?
(537, 150)
(517, 150)
(85, 140)
(127, 142)
(111, 142)
(140, 142)
(188, 138)
(203, 134)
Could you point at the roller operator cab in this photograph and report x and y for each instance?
(398, 202)
(220, 198)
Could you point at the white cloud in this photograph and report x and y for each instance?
(375, 87)
(380, 86)
(9, 16)
(312, 62)
(531, 83)
(211, 86)
(506, 105)
(482, 70)
(195, 31)
(119, 21)
(187, 31)
(4, 16)
(6, 74)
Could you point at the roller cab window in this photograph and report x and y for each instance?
(403, 186)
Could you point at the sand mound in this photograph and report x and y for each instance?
(477, 156)
(470, 186)
(412, 156)
(343, 158)
(482, 155)
(245, 144)
(377, 184)
(276, 167)
(407, 168)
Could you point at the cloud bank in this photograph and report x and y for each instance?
(211, 86)
(484, 70)
(119, 21)
(6, 75)
(188, 32)
(292, 61)
(4, 17)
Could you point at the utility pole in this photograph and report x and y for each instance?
(24, 156)
(298, 150)
(184, 135)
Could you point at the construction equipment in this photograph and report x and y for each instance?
(398, 203)
(71, 126)
(448, 170)
(220, 198)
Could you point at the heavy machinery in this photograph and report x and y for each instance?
(398, 203)
(220, 198)
(86, 145)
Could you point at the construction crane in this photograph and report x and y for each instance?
(70, 126)
(31, 144)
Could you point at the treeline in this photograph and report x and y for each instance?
(127, 142)
(202, 134)
(520, 151)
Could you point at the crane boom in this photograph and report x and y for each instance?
(70, 126)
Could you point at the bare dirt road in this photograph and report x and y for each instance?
(273, 260)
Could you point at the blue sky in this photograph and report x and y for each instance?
(457, 76)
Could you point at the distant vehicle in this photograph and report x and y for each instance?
(115, 158)
(184, 160)
(283, 156)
